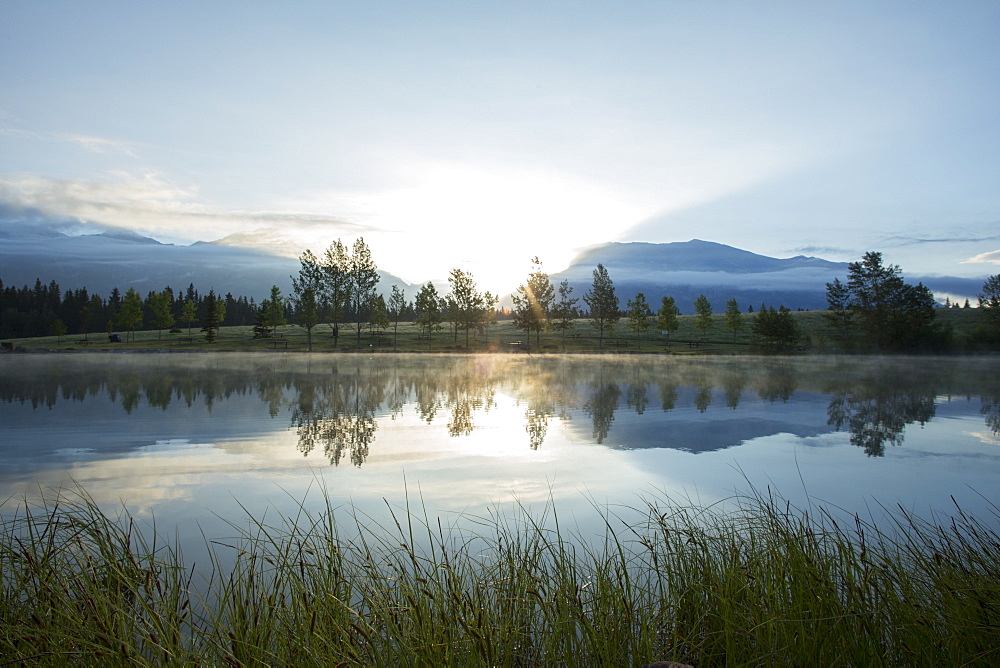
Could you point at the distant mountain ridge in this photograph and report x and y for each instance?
(694, 255)
(683, 270)
(124, 259)
(686, 269)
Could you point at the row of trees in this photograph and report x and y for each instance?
(537, 309)
(875, 308)
(46, 310)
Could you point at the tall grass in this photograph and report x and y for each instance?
(756, 581)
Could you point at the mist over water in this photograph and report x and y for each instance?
(194, 440)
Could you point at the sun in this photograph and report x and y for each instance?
(489, 221)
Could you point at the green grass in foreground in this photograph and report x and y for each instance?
(759, 584)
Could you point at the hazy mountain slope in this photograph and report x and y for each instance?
(101, 262)
(687, 269)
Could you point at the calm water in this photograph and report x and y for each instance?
(189, 439)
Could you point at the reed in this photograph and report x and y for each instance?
(752, 581)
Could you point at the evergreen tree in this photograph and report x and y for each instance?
(734, 318)
(533, 302)
(638, 314)
(892, 314)
(274, 310)
(307, 312)
(703, 309)
(564, 311)
(840, 316)
(428, 306)
(989, 302)
(214, 314)
(363, 280)
(336, 266)
(603, 304)
(308, 293)
(776, 330)
(667, 317)
(397, 303)
(466, 305)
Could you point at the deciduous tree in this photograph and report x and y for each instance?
(162, 316)
(130, 314)
(189, 314)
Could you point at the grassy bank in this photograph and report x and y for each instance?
(761, 583)
(501, 337)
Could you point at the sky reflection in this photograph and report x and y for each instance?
(194, 439)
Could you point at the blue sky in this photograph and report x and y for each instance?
(481, 134)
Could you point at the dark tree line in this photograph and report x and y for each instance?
(46, 310)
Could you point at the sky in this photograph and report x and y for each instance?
(479, 135)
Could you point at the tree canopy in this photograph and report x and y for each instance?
(533, 302)
(603, 304)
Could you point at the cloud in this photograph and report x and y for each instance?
(88, 142)
(824, 250)
(150, 204)
(909, 241)
(992, 257)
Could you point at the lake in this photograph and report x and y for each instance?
(195, 440)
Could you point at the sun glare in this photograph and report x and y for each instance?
(491, 223)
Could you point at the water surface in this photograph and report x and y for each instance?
(194, 439)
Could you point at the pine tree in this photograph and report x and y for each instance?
(667, 317)
(638, 314)
(214, 314)
(363, 280)
(734, 318)
(703, 309)
(428, 308)
(533, 302)
(397, 303)
(603, 304)
(274, 310)
(564, 311)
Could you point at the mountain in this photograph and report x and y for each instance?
(124, 259)
(684, 270)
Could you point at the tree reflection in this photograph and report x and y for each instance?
(601, 407)
(338, 415)
(876, 415)
(336, 410)
(990, 410)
